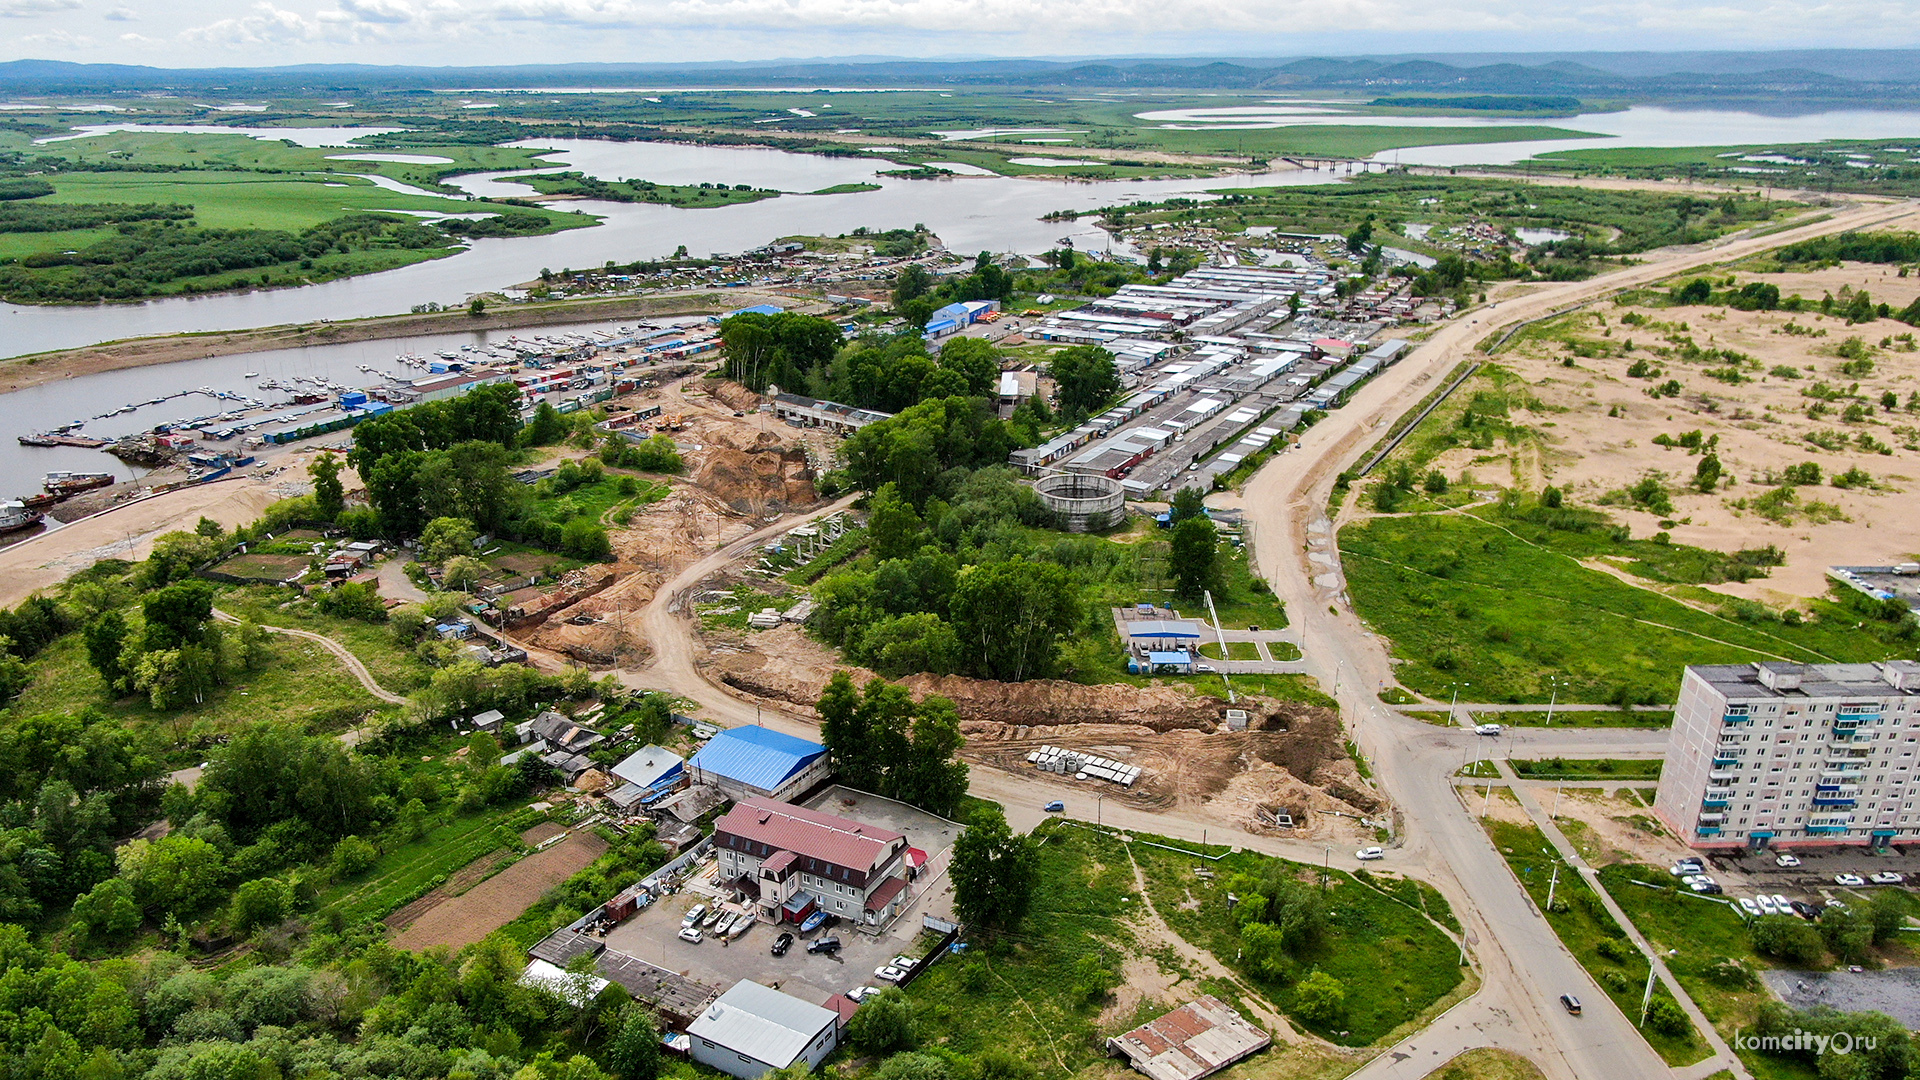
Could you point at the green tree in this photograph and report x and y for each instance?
(976, 360)
(894, 531)
(1666, 1017)
(634, 1051)
(913, 1065)
(1194, 558)
(547, 427)
(1085, 379)
(1010, 618)
(443, 538)
(884, 1024)
(177, 615)
(1787, 938)
(106, 639)
(107, 911)
(995, 872)
(1706, 475)
(329, 495)
(1188, 502)
(260, 902)
(1320, 999)
(178, 875)
(1887, 914)
(911, 283)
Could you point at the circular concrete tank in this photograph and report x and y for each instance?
(1083, 501)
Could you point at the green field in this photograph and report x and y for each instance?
(405, 872)
(1586, 769)
(1503, 604)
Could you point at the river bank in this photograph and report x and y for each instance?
(38, 369)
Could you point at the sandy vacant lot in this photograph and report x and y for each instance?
(1594, 426)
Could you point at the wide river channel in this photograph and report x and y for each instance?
(970, 213)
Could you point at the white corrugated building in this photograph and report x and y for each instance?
(752, 1030)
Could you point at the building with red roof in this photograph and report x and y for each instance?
(796, 861)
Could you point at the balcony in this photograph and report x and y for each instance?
(1737, 718)
(1722, 775)
(1836, 799)
(1707, 830)
(1713, 801)
(1723, 763)
(1713, 818)
(1827, 829)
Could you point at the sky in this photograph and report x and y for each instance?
(264, 33)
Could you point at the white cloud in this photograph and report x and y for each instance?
(28, 9)
(122, 14)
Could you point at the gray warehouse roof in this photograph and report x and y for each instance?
(762, 1023)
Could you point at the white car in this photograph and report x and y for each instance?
(1487, 729)
(694, 915)
(1849, 880)
(1785, 905)
(1766, 904)
(1887, 877)
(1696, 879)
(862, 993)
(1747, 905)
(889, 973)
(1203, 669)
(1686, 868)
(1368, 854)
(904, 963)
(688, 933)
(1788, 861)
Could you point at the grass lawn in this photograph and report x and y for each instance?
(1627, 718)
(1382, 942)
(1236, 650)
(409, 871)
(248, 200)
(1243, 600)
(301, 684)
(1583, 925)
(1587, 769)
(1710, 939)
(1468, 600)
(396, 669)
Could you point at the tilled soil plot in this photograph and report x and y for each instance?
(462, 920)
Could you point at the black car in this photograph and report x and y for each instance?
(824, 945)
(782, 943)
(1570, 1003)
(1710, 889)
(1805, 910)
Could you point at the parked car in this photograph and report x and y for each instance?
(1685, 869)
(694, 915)
(1487, 729)
(889, 973)
(862, 993)
(1747, 905)
(688, 933)
(824, 945)
(1692, 878)
(1805, 910)
(1707, 888)
(1055, 807)
(1368, 854)
(1850, 880)
(1570, 1003)
(905, 963)
(782, 943)
(1766, 904)
(1788, 861)
(1785, 905)
(1887, 877)
(1203, 669)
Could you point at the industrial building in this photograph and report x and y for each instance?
(1195, 1040)
(811, 412)
(793, 862)
(756, 762)
(752, 1030)
(1804, 755)
(646, 776)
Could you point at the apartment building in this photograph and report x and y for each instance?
(794, 861)
(1800, 755)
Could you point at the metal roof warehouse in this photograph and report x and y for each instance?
(752, 1030)
(746, 762)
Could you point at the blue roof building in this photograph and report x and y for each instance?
(757, 762)
(757, 309)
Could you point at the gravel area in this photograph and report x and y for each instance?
(1895, 992)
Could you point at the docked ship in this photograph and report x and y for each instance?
(16, 515)
(73, 483)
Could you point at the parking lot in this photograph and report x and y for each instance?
(652, 935)
(1754, 872)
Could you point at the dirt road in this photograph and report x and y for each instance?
(351, 662)
(1524, 966)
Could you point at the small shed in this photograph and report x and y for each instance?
(1195, 1040)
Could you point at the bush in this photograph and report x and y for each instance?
(1320, 999)
(1787, 938)
(1666, 1017)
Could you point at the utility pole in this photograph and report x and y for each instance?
(1553, 883)
(1551, 699)
(1646, 999)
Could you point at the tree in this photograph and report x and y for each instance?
(1194, 558)
(106, 912)
(260, 902)
(912, 283)
(1887, 914)
(177, 875)
(177, 615)
(1188, 502)
(547, 427)
(884, 1024)
(329, 496)
(1320, 999)
(995, 872)
(933, 777)
(1085, 377)
(913, 1065)
(894, 531)
(1011, 616)
(477, 307)
(106, 638)
(1785, 937)
(1706, 475)
(443, 538)
(976, 360)
(634, 1051)
(1666, 1017)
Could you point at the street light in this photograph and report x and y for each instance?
(1554, 682)
(1099, 803)
(1453, 707)
(1326, 867)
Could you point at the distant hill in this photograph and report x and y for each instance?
(1867, 76)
